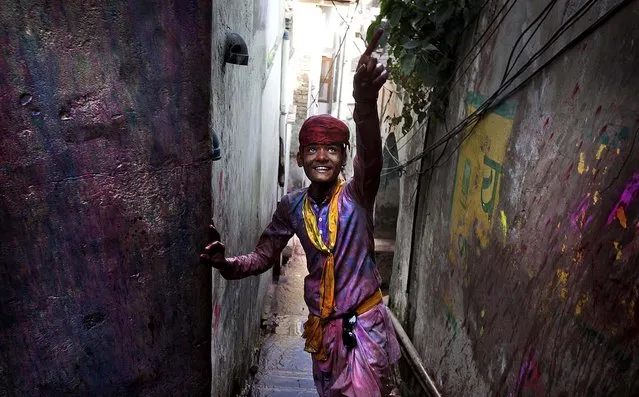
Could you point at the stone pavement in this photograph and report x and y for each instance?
(285, 369)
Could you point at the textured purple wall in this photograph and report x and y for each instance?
(524, 278)
(104, 198)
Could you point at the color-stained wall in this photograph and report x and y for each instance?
(245, 114)
(524, 278)
(104, 198)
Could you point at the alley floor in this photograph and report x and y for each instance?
(285, 369)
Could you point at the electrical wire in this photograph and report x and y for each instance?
(450, 82)
(338, 13)
(456, 78)
(396, 167)
(543, 15)
(339, 50)
(539, 21)
(492, 102)
(395, 159)
(491, 105)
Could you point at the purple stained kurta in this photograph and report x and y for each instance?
(366, 369)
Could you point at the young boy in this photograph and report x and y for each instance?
(348, 332)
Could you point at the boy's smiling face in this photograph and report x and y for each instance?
(322, 163)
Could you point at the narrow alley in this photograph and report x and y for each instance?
(285, 369)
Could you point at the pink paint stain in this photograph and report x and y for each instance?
(583, 47)
(216, 317)
(598, 110)
(568, 172)
(628, 196)
(532, 380)
(575, 90)
(530, 377)
(546, 122)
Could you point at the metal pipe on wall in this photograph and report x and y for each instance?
(413, 358)
(286, 50)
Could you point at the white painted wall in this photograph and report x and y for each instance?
(244, 113)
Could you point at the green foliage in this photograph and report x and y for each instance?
(422, 38)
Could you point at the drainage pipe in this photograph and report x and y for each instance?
(283, 132)
(413, 358)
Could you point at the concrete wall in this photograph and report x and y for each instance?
(245, 114)
(524, 277)
(104, 198)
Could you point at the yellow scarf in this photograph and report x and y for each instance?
(313, 328)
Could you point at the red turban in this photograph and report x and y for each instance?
(323, 129)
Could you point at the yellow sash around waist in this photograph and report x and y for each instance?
(314, 327)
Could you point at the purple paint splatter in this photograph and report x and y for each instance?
(530, 376)
(628, 195)
(578, 219)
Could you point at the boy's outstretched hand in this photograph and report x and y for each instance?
(370, 75)
(213, 254)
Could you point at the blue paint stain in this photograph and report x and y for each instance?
(623, 133)
(508, 109)
(451, 321)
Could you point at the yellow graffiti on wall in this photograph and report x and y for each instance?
(477, 179)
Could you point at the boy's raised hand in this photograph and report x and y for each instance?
(370, 75)
(213, 254)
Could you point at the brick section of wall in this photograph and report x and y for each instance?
(301, 101)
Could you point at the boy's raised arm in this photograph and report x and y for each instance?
(368, 80)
